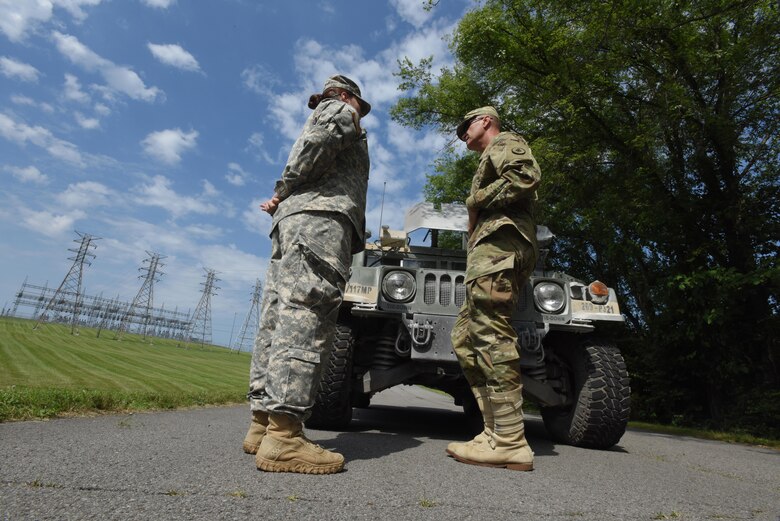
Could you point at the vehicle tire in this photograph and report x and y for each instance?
(333, 405)
(600, 405)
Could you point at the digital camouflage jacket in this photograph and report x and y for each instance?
(327, 169)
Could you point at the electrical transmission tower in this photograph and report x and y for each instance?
(246, 338)
(67, 298)
(200, 326)
(142, 304)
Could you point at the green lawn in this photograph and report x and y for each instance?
(49, 372)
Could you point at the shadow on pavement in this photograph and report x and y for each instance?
(400, 427)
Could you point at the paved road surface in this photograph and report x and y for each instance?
(189, 465)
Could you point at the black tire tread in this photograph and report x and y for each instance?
(333, 405)
(599, 416)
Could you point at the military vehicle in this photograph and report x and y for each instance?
(400, 305)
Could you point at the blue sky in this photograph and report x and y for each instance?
(159, 125)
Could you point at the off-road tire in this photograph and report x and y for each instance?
(333, 405)
(600, 404)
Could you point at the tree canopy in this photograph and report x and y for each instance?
(655, 124)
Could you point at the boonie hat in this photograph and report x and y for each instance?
(470, 116)
(342, 82)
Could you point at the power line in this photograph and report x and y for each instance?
(68, 297)
(246, 337)
(201, 317)
(144, 299)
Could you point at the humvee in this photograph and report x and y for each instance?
(401, 302)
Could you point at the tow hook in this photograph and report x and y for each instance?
(420, 333)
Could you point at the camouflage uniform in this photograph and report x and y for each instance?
(502, 252)
(316, 228)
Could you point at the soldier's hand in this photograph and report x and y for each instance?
(270, 205)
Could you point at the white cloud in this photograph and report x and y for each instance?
(74, 7)
(255, 145)
(11, 68)
(159, 4)
(24, 100)
(240, 272)
(102, 109)
(28, 174)
(255, 220)
(86, 195)
(21, 133)
(17, 18)
(385, 174)
(168, 145)
(236, 175)
(175, 56)
(205, 231)
(50, 224)
(118, 78)
(85, 122)
(315, 62)
(159, 193)
(289, 111)
(261, 80)
(209, 190)
(410, 142)
(412, 11)
(72, 90)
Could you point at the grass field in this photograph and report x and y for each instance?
(49, 372)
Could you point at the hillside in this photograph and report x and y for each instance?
(49, 372)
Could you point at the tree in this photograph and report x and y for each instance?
(655, 124)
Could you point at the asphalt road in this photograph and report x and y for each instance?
(189, 465)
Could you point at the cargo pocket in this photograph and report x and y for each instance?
(301, 371)
(479, 266)
(299, 285)
(492, 293)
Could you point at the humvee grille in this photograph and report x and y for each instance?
(439, 288)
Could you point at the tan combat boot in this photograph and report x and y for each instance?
(506, 446)
(256, 432)
(480, 394)
(285, 449)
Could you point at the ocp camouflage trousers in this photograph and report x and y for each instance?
(483, 337)
(303, 290)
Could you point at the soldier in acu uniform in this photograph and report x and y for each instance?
(318, 210)
(501, 255)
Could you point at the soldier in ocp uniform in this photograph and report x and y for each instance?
(501, 255)
(318, 209)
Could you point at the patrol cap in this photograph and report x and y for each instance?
(470, 116)
(342, 82)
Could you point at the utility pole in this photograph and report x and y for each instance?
(246, 338)
(201, 317)
(68, 295)
(144, 299)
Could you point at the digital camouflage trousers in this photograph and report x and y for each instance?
(304, 285)
(483, 337)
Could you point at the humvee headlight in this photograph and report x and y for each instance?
(398, 286)
(549, 297)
